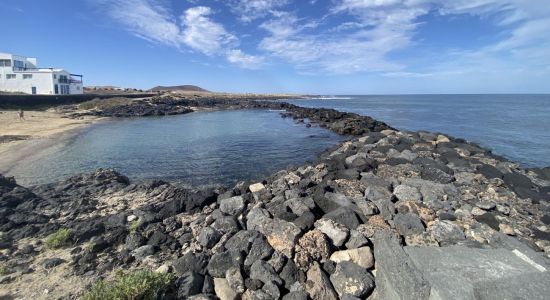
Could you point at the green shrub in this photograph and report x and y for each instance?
(58, 239)
(2, 270)
(141, 285)
(134, 226)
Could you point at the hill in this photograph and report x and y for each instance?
(190, 88)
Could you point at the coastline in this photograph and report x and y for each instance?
(39, 131)
(310, 231)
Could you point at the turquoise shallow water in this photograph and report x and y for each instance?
(204, 148)
(514, 126)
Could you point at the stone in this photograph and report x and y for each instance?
(489, 171)
(226, 224)
(489, 219)
(336, 232)
(361, 256)
(345, 216)
(52, 262)
(299, 206)
(261, 270)
(194, 262)
(143, 251)
(318, 286)
(277, 261)
(131, 218)
(290, 274)
(397, 277)
(312, 246)
(232, 206)
(377, 193)
(256, 187)
(422, 239)
(408, 224)
(486, 205)
(351, 279)
(235, 279)
(356, 240)
(190, 283)
(305, 221)
(368, 208)
(386, 208)
(272, 290)
(425, 213)
(459, 272)
(281, 235)
(446, 232)
(298, 295)
(436, 175)
(220, 262)
(208, 237)
(134, 240)
(407, 193)
(506, 229)
(223, 290)
(476, 211)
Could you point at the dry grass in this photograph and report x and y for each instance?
(143, 284)
(104, 103)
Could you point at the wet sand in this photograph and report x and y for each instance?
(39, 130)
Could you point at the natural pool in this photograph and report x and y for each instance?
(204, 148)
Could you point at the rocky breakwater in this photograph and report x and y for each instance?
(339, 122)
(387, 215)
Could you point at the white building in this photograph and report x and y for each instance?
(21, 74)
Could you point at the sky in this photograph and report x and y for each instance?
(307, 46)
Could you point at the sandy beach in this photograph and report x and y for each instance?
(39, 130)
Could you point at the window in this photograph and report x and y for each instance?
(5, 63)
(11, 76)
(27, 76)
(18, 64)
(54, 76)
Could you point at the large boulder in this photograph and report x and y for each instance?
(318, 285)
(351, 279)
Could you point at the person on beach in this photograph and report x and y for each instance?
(21, 115)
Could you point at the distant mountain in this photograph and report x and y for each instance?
(190, 88)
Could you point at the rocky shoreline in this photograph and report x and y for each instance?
(385, 215)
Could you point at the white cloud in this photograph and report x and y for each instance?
(203, 34)
(249, 10)
(383, 26)
(367, 33)
(152, 21)
(246, 61)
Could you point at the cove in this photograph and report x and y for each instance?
(199, 149)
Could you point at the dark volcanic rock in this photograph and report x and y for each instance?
(189, 283)
(194, 262)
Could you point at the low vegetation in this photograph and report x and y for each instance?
(58, 239)
(2, 270)
(143, 284)
(134, 226)
(104, 103)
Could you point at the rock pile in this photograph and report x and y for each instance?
(332, 230)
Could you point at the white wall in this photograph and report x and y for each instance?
(41, 80)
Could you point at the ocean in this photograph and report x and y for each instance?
(514, 126)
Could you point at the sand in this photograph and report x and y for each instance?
(40, 130)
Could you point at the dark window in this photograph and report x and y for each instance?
(5, 63)
(56, 88)
(27, 76)
(11, 76)
(18, 64)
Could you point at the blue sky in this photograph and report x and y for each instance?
(307, 46)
